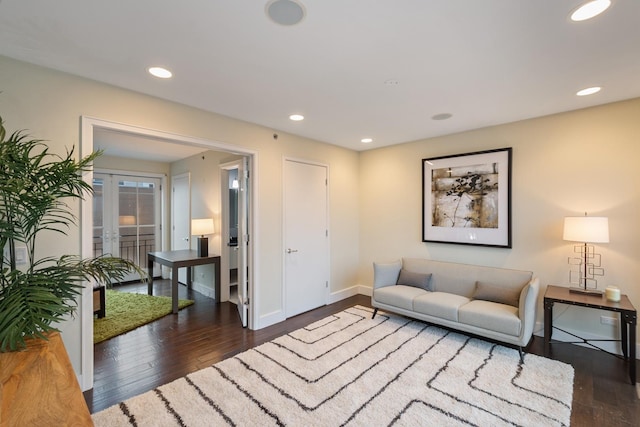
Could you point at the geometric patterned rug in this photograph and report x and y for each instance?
(349, 369)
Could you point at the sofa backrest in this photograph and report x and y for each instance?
(461, 279)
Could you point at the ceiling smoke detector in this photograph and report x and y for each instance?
(285, 12)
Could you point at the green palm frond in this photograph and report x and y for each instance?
(35, 187)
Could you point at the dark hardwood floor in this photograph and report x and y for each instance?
(205, 333)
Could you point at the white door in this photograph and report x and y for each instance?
(181, 216)
(243, 241)
(306, 240)
(237, 216)
(126, 217)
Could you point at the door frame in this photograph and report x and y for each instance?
(86, 146)
(328, 248)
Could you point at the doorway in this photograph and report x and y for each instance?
(231, 212)
(235, 235)
(89, 128)
(306, 236)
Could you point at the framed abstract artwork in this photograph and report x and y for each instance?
(466, 198)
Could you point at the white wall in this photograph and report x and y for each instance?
(49, 104)
(563, 165)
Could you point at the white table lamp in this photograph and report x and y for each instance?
(586, 229)
(201, 227)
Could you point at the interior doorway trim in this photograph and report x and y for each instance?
(87, 127)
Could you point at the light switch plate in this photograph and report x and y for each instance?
(21, 254)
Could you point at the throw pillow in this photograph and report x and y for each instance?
(500, 294)
(418, 280)
(386, 274)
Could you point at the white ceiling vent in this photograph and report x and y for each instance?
(285, 12)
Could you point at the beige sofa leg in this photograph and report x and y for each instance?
(375, 311)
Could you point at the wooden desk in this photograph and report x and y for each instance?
(628, 320)
(176, 260)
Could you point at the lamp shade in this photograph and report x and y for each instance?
(587, 229)
(202, 226)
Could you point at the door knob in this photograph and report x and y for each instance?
(290, 251)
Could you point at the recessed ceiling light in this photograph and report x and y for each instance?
(590, 10)
(442, 116)
(366, 140)
(160, 72)
(588, 91)
(296, 117)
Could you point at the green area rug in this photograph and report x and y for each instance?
(127, 311)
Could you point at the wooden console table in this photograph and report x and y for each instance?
(38, 387)
(176, 260)
(628, 320)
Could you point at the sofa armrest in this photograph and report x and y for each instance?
(527, 309)
(386, 274)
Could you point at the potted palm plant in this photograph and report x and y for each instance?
(36, 188)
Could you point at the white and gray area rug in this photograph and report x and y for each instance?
(349, 369)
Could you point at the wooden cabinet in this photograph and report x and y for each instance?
(38, 387)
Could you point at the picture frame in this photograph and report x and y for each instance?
(466, 198)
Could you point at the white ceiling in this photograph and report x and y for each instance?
(486, 62)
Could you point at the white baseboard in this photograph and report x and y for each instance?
(279, 315)
(611, 347)
(270, 319)
(349, 292)
(365, 290)
(84, 386)
(203, 289)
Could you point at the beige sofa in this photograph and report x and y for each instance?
(495, 303)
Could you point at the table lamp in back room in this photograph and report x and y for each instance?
(201, 227)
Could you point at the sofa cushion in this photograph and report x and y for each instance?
(489, 292)
(494, 316)
(439, 304)
(398, 296)
(417, 280)
(386, 274)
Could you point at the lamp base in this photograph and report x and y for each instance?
(585, 291)
(203, 246)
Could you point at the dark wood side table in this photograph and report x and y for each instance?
(628, 320)
(99, 301)
(176, 260)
